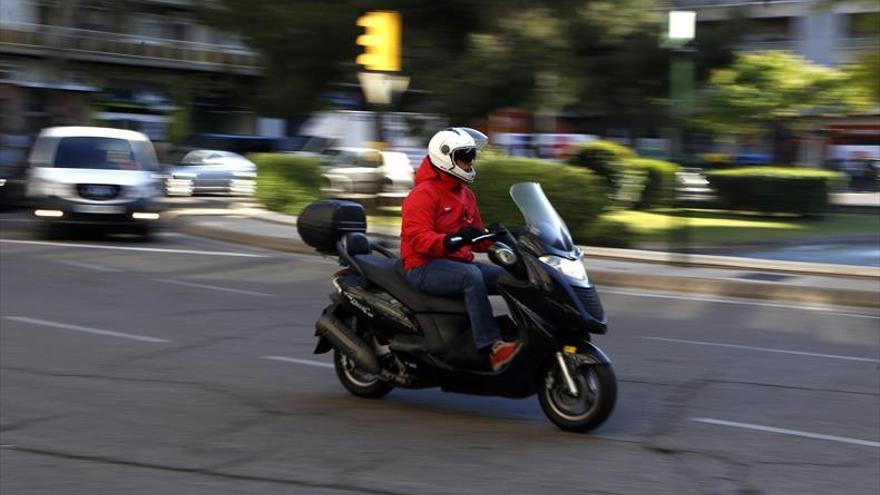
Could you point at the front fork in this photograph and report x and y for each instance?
(565, 366)
(571, 357)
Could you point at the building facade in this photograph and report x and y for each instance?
(147, 65)
(825, 33)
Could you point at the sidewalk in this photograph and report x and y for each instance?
(719, 276)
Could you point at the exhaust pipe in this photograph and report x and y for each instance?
(347, 342)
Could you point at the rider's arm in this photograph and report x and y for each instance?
(481, 246)
(417, 224)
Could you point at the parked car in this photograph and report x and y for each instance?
(350, 172)
(211, 171)
(863, 173)
(94, 175)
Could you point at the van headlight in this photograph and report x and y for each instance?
(570, 268)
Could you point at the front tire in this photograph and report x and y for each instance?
(597, 394)
(357, 381)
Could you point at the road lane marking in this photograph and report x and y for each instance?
(65, 326)
(766, 349)
(213, 287)
(783, 431)
(299, 361)
(140, 249)
(80, 264)
(828, 310)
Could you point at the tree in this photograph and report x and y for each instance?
(775, 91)
(599, 57)
(305, 46)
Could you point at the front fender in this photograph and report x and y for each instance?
(590, 354)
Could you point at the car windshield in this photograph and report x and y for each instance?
(105, 153)
(202, 156)
(542, 218)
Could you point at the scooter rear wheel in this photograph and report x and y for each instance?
(597, 394)
(358, 381)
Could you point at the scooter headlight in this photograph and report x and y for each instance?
(570, 268)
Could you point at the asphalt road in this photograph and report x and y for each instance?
(184, 366)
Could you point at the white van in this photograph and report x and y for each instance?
(94, 175)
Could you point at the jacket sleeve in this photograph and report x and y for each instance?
(417, 224)
(482, 246)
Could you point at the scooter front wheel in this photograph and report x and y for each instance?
(358, 381)
(596, 395)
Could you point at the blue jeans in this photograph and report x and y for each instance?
(475, 280)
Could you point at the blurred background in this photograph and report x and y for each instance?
(719, 160)
(710, 120)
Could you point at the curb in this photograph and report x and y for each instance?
(767, 291)
(648, 256)
(680, 284)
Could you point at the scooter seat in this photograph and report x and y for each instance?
(385, 273)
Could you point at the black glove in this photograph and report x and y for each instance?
(454, 242)
(497, 228)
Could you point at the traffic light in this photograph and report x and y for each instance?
(381, 41)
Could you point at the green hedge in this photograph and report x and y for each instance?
(775, 189)
(577, 194)
(633, 182)
(287, 183)
(605, 158)
(659, 184)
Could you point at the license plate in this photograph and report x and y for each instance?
(101, 209)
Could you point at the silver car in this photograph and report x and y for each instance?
(211, 171)
(358, 172)
(94, 175)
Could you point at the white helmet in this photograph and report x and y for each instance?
(456, 142)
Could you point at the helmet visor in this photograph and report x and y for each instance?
(466, 155)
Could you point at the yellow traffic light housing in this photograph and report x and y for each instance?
(381, 41)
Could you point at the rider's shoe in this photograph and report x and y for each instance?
(502, 353)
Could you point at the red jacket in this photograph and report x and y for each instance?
(439, 205)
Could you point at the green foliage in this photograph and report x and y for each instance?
(578, 196)
(303, 44)
(287, 183)
(606, 232)
(518, 60)
(544, 55)
(604, 158)
(777, 87)
(659, 186)
(775, 189)
(633, 181)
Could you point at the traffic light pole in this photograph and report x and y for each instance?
(381, 58)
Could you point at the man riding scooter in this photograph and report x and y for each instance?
(440, 231)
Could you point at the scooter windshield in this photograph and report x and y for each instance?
(542, 219)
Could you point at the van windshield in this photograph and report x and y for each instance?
(105, 153)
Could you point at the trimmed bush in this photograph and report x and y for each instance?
(775, 189)
(659, 184)
(605, 158)
(607, 233)
(578, 195)
(287, 183)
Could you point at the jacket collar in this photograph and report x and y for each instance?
(427, 171)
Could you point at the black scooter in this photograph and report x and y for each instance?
(386, 334)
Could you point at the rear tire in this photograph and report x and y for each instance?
(597, 395)
(357, 381)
